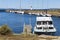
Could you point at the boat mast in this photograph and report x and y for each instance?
(46, 7)
(20, 5)
(30, 15)
(30, 12)
(42, 6)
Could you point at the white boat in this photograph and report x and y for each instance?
(45, 14)
(20, 12)
(44, 25)
(42, 14)
(30, 13)
(37, 14)
(33, 13)
(49, 15)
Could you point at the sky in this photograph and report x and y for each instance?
(26, 4)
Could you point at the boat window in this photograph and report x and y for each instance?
(50, 22)
(39, 27)
(44, 22)
(45, 27)
(41, 22)
(38, 22)
(50, 27)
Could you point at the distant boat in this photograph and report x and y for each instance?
(38, 14)
(20, 12)
(45, 14)
(49, 15)
(44, 25)
(29, 13)
(34, 13)
(11, 11)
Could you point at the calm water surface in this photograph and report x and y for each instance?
(16, 21)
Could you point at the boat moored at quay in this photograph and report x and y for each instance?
(44, 25)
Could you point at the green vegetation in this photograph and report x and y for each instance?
(5, 30)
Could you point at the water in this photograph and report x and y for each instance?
(16, 21)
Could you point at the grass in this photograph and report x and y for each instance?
(19, 37)
(25, 37)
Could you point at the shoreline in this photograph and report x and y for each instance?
(52, 12)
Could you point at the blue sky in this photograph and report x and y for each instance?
(25, 4)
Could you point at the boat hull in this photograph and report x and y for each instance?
(47, 33)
